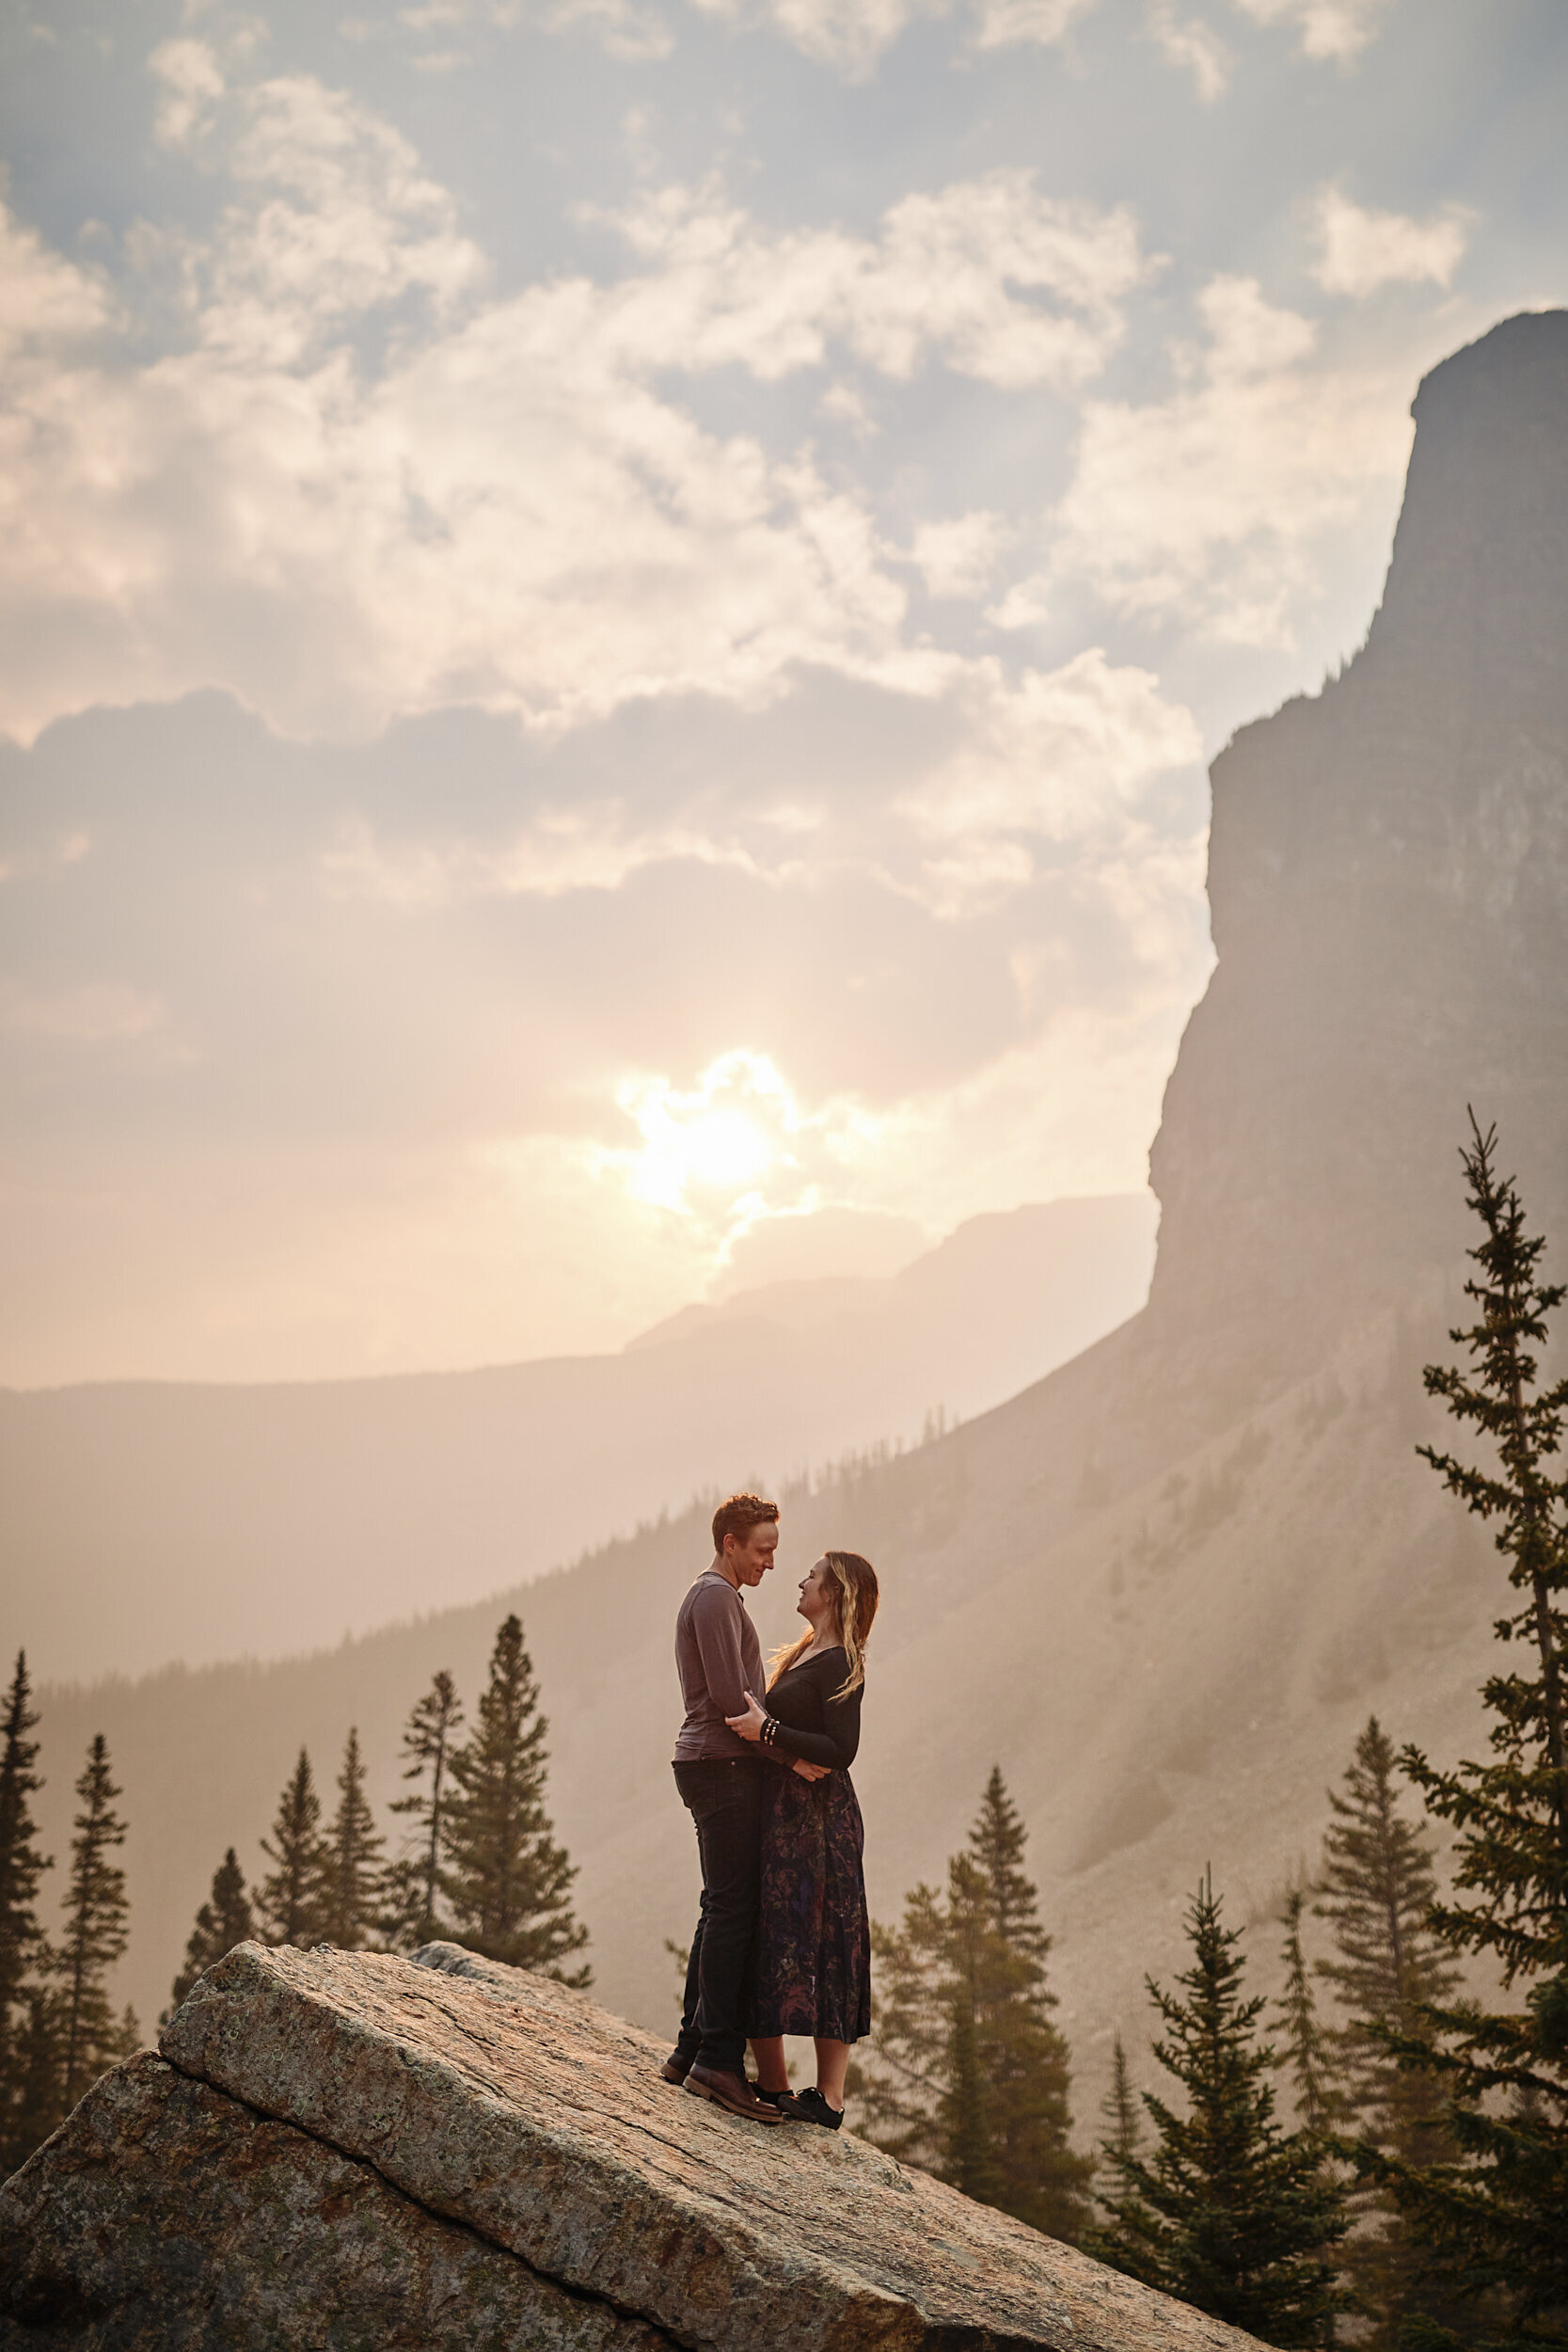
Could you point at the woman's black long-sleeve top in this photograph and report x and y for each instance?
(813, 1725)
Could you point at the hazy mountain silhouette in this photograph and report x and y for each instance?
(151, 1520)
(1164, 1586)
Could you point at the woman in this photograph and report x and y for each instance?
(814, 1937)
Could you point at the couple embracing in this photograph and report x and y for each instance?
(782, 1942)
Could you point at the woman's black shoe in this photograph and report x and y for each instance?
(808, 2107)
(782, 2100)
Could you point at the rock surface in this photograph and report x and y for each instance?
(349, 2149)
(168, 2214)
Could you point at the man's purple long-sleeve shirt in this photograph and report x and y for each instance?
(719, 1660)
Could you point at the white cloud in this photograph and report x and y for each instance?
(997, 281)
(622, 27)
(1210, 503)
(1004, 24)
(1337, 29)
(854, 35)
(1063, 755)
(363, 482)
(191, 84)
(632, 29)
(849, 36)
(958, 556)
(1192, 45)
(334, 217)
(1052, 762)
(47, 306)
(564, 849)
(1360, 251)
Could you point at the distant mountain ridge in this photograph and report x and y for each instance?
(145, 1521)
(1164, 1586)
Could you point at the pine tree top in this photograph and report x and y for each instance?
(1226, 2211)
(996, 1843)
(1501, 1397)
(1512, 1814)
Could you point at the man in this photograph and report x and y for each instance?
(719, 1778)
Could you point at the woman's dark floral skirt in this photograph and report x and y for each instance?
(814, 1936)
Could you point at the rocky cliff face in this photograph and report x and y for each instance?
(1388, 883)
(343, 2150)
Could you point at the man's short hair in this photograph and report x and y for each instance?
(738, 1516)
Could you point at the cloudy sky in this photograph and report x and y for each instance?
(614, 610)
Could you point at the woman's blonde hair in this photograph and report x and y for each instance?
(855, 1606)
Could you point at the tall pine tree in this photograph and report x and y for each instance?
(95, 1934)
(967, 2075)
(969, 2107)
(292, 1902)
(1117, 2205)
(1496, 2215)
(904, 2070)
(1226, 2213)
(1023, 2056)
(22, 1866)
(223, 1921)
(354, 1889)
(1307, 2057)
(1378, 1886)
(1119, 2108)
(508, 1882)
(413, 1880)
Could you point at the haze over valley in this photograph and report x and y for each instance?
(1166, 1583)
(169, 1520)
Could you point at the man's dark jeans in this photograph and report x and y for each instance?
(725, 1799)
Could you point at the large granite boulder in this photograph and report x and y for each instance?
(346, 2150)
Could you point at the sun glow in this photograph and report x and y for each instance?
(722, 1140)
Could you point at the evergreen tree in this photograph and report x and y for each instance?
(1022, 2056)
(904, 2070)
(22, 1866)
(1118, 2146)
(967, 2075)
(37, 2102)
(413, 1880)
(1378, 1887)
(1307, 2053)
(508, 1882)
(1308, 2058)
(223, 1921)
(1228, 2212)
(293, 1902)
(1119, 2108)
(969, 2107)
(1496, 2214)
(95, 1931)
(354, 1886)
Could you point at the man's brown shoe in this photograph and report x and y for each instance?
(730, 2091)
(675, 2068)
